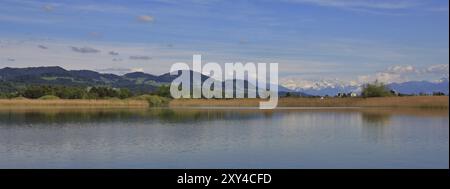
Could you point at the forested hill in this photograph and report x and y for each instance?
(136, 81)
(12, 79)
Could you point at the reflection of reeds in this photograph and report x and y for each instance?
(68, 103)
(14, 115)
(78, 115)
(438, 102)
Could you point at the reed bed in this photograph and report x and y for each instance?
(441, 102)
(431, 102)
(71, 103)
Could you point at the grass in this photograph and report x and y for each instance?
(49, 97)
(423, 102)
(153, 100)
(440, 102)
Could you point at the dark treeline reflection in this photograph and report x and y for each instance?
(378, 119)
(52, 116)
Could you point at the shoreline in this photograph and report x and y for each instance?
(440, 102)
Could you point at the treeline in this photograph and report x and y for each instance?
(65, 92)
(378, 89)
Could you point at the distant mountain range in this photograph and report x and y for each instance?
(416, 87)
(333, 87)
(137, 82)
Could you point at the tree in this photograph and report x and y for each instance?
(164, 91)
(438, 94)
(62, 92)
(34, 92)
(103, 92)
(376, 89)
(125, 93)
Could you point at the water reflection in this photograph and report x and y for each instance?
(375, 128)
(55, 116)
(374, 117)
(223, 138)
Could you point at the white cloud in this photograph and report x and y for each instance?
(100, 7)
(138, 57)
(310, 68)
(439, 9)
(145, 18)
(438, 69)
(393, 74)
(85, 49)
(113, 53)
(42, 47)
(404, 73)
(384, 7)
(368, 4)
(22, 19)
(383, 77)
(137, 70)
(120, 71)
(28, 54)
(95, 34)
(401, 69)
(48, 8)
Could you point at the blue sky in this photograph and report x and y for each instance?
(348, 40)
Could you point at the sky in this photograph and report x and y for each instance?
(350, 41)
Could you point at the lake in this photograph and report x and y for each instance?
(224, 138)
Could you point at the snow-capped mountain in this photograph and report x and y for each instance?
(335, 86)
(321, 87)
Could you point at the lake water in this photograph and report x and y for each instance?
(224, 138)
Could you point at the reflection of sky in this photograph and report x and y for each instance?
(224, 139)
(311, 39)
